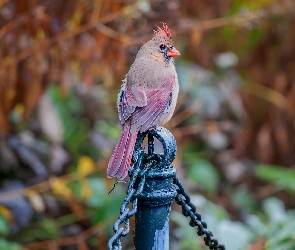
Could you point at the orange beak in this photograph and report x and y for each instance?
(173, 52)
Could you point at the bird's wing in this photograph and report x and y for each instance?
(129, 100)
(142, 116)
(146, 117)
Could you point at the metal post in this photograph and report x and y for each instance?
(152, 187)
(154, 203)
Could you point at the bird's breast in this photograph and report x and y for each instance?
(150, 73)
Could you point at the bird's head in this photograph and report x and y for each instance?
(160, 47)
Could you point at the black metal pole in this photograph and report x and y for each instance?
(154, 203)
(152, 188)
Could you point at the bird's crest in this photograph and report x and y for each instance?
(163, 32)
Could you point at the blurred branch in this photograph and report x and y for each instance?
(186, 113)
(184, 26)
(96, 9)
(265, 93)
(238, 19)
(72, 217)
(44, 45)
(76, 239)
(20, 19)
(189, 130)
(113, 34)
(46, 185)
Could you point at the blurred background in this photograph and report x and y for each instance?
(61, 66)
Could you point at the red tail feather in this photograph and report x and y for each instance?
(120, 161)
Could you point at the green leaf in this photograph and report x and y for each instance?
(76, 126)
(289, 245)
(8, 245)
(46, 229)
(284, 178)
(228, 230)
(4, 226)
(204, 173)
(244, 199)
(110, 207)
(275, 209)
(185, 234)
(98, 192)
(110, 130)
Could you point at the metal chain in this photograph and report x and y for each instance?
(188, 209)
(137, 180)
(142, 164)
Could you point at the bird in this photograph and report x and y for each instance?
(147, 97)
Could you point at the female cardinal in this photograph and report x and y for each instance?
(147, 97)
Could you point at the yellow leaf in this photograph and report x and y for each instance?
(59, 187)
(5, 212)
(85, 166)
(40, 34)
(86, 189)
(19, 108)
(75, 20)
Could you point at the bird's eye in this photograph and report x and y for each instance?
(162, 46)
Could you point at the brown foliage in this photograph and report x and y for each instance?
(43, 42)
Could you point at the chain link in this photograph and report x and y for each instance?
(137, 180)
(188, 209)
